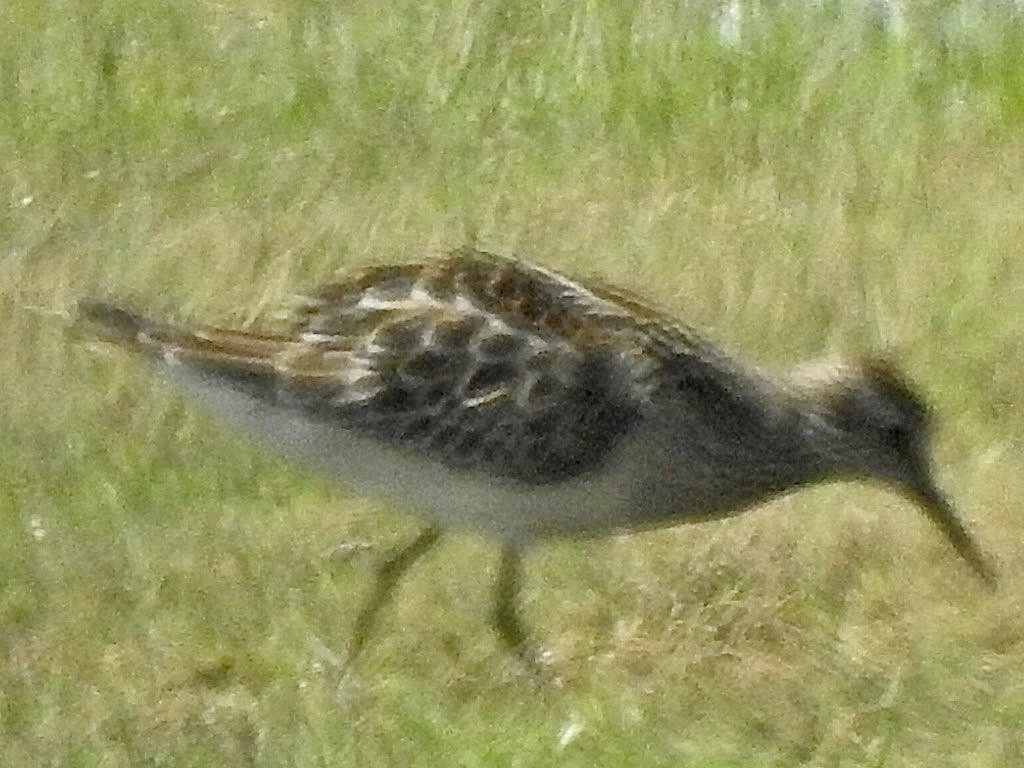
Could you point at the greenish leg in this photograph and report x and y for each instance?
(506, 616)
(389, 574)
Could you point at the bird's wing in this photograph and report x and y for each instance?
(478, 361)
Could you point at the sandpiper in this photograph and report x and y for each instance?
(480, 392)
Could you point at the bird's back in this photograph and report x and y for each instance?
(478, 362)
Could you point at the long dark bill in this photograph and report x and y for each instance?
(941, 512)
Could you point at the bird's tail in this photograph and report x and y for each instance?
(124, 327)
(216, 349)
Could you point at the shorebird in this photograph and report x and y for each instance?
(481, 392)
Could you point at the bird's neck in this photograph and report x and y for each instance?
(745, 446)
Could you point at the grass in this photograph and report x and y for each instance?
(820, 184)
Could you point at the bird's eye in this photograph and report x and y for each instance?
(896, 435)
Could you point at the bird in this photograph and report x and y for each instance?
(484, 393)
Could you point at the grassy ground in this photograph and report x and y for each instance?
(800, 180)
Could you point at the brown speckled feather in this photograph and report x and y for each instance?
(479, 360)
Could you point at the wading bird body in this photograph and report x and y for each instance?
(483, 393)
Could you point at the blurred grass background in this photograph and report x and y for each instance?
(799, 179)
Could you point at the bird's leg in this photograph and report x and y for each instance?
(506, 617)
(389, 574)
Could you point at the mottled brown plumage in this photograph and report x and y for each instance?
(482, 392)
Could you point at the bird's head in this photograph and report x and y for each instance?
(878, 427)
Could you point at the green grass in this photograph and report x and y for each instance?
(169, 596)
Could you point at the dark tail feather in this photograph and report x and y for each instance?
(112, 319)
(119, 325)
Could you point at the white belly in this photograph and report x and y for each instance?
(609, 498)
